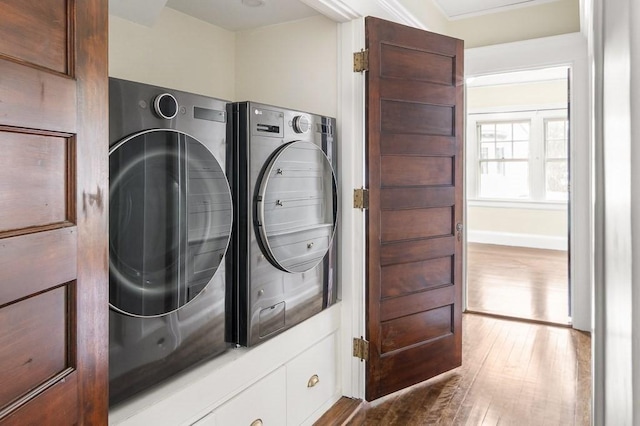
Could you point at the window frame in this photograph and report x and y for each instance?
(537, 116)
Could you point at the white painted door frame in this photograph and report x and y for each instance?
(571, 50)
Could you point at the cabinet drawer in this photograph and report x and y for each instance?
(264, 401)
(311, 380)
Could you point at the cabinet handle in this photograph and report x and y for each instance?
(256, 422)
(314, 380)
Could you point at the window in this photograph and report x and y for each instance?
(519, 156)
(504, 159)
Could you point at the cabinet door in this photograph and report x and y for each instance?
(311, 380)
(263, 404)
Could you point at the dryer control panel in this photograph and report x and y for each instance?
(267, 123)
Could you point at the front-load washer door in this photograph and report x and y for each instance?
(170, 220)
(296, 207)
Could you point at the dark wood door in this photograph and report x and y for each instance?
(414, 175)
(53, 212)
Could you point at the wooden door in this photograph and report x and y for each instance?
(53, 212)
(414, 175)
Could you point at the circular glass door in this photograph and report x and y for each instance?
(170, 217)
(297, 207)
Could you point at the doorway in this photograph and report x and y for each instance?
(518, 183)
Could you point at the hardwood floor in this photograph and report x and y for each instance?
(518, 282)
(513, 373)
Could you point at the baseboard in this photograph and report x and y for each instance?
(518, 240)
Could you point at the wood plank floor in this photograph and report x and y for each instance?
(513, 373)
(518, 282)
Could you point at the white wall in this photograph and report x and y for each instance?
(615, 50)
(292, 65)
(178, 52)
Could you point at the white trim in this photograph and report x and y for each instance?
(548, 242)
(335, 10)
(352, 233)
(516, 109)
(568, 49)
(395, 8)
(524, 205)
(519, 5)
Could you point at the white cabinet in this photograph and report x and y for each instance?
(296, 393)
(311, 380)
(263, 404)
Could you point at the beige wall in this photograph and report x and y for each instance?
(547, 19)
(544, 92)
(178, 52)
(518, 221)
(292, 65)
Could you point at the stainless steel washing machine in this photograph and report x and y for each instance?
(282, 265)
(170, 218)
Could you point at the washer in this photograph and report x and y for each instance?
(170, 219)
(282, 267)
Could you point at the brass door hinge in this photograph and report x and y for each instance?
(361, 349)
(361, 61)
(361, 198)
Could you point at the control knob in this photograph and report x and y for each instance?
(301, 124)
(166, 106)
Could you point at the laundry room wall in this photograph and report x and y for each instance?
(179, 52)
(293, 65)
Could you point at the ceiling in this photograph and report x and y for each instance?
(456, 9)
(234, 15)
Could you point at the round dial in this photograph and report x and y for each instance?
(166, 106)
(301, 124)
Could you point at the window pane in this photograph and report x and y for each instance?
(501, 179)
(504, 132)
(521, 150)
(487, 132)
(503, 150)
(521, 131)
(557, 180)
(556, 129)
(556, 149)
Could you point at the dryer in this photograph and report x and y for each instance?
(282, 265)
(170, 218)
